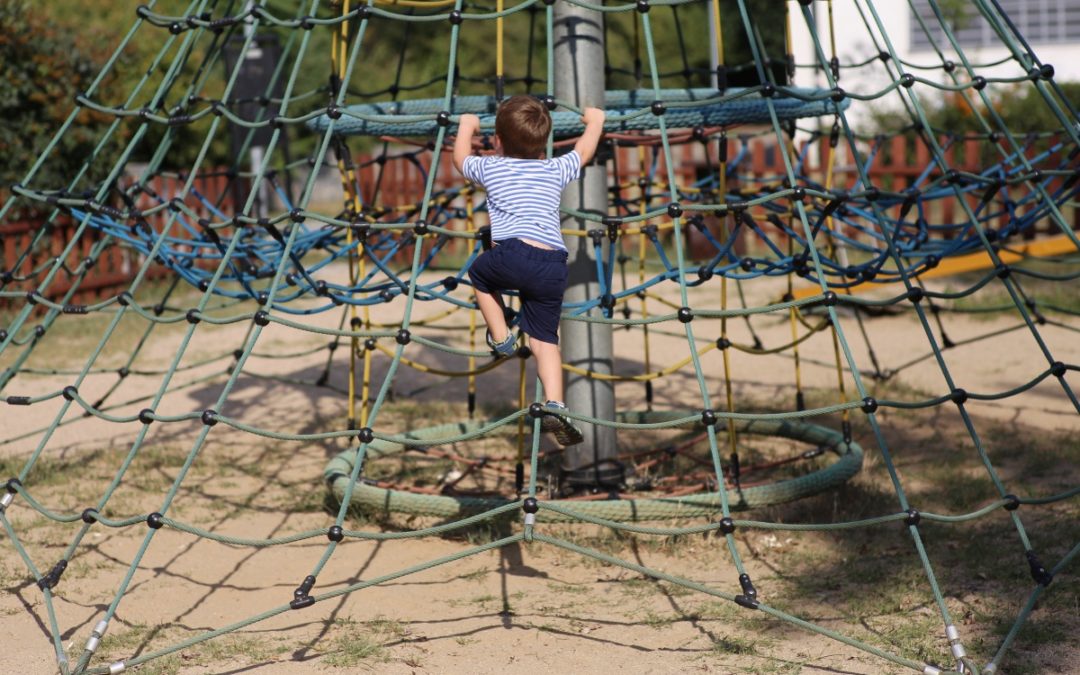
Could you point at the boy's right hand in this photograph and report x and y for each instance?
(468, 123)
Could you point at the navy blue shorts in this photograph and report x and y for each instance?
(537, 274)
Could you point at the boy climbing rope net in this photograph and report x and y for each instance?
(528, 256)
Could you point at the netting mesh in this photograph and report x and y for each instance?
(710, 187)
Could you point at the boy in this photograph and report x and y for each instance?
(528, 256)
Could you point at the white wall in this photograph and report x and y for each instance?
(855, 44)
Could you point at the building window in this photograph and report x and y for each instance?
(1040, 22)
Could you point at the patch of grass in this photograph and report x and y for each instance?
(733, 644)
(351, 650)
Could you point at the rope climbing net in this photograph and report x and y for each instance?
(261, 253)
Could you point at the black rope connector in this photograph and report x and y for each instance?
(530, 505)
(403, 336)
(768, 90)
(727, 525)
(455, 19)
(153, 521)
(658, 108)
(365, 435)
(39, 331)
(363, 12)
(869, 405)
(450, 283)
(89, 516)
(748, 598)
(1047, 71)
(674, 210)
(1002, 271)
(607, 301)
(913, 517)
(70, 392)
(1012, 502)
(979, 83)
(335, 533)
(958, 396)
(536, 410)
(386, 295)
(747, 264)
(125, 299)
(18, 400)
(296, 215)
(1057, 369)
(192, 316)
(420, 228)
(443, 118)
(907, 80)
(548, 100)
(685, 314)
(301, 596)
(333, 111)
(523, 352)
(1039, 573)
(949, 66)
(209, 417)
(53, 577)
(799, 194)
(262, 318)
(642, 6)
(830, 299)
(722, 343)
(708, 418)
(146, 415)
(838, 94)
(369, 344)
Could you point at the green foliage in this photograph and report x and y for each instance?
(42, 67)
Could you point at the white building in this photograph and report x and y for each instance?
(1051, 28)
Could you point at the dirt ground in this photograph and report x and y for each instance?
(531, 607)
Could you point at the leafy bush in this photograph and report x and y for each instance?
(42, 67)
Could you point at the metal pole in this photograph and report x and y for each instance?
(579, 79)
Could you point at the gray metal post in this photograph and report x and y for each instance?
(579, 79)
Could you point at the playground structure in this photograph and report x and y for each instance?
(779, 187)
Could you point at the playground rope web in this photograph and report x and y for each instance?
(258, 253)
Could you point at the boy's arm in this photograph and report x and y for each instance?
(467, 126)
(594, 129)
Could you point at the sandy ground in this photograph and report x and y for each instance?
(524, 608)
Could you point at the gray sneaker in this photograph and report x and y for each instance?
(564, 429)
(502, 349)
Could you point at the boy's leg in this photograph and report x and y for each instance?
(491, 307)
(548, 368)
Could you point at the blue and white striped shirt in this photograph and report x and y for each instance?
(523, 194)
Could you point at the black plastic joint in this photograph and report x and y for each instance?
(455, 19)
(727, 525)
(799, 194)
(146, 415)
(1039, 573)
(296, 215)
(530, 505)
(1046, 71)
(51, 579)
(262, 318)
(69, 393)
(958, 396)
(1057, 369)
(869, 405)
(913, 517)
(748, 597)
(443, 118)
(335, 533)
(838, 94)
(1012, 502)
(907, 80)
(403, 336)
(949, 66)
(89, 516)
(549, 101)
(607, 301)
(658, 108)
(830, 299)
(420, 228)
(685, 314)
(674, 210)
(915, 294)
(366, 435)
(1003, 271)
(722, 343)
(979, 83)
(333, 111)
(18, 400)
(642, 6)
(768, 90)
(536, 410)
(708, 418)
(153, 521)
(209, 417)
(370, 344)
(32, 297)
(301, 596)
(450, 283)
(192, 316)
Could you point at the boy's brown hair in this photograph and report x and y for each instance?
(522, 125)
